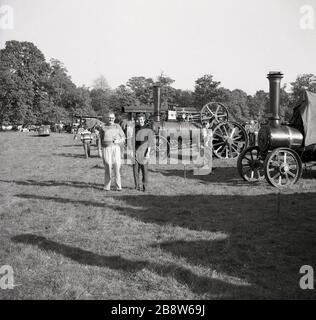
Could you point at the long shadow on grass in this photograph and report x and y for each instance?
(71, 155)
(53, 183)
(223, 175)
(72, 145)
(216, 288)
(270, 236)
(218, 175)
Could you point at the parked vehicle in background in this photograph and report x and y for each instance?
(32, 127)
(44, 130)
(6, 127)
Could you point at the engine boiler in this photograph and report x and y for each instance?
(275, 135)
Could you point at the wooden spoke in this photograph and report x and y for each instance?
(233, 137)
(250, 165)
(283, 167)
(214, 112)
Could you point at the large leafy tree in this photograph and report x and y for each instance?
(80, 102)
(100, 100)
(303, 82)
(23, 74)
(168, 93)
(238, 105)
(206, 90)
(258, 105)
(60, 88)
(104, 100)
(34, 91)
(121, 97)
(285, 104)
(223, 95)
(183, 98)
(141, 88)
(101, 96)
(101, 84)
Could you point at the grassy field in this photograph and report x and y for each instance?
(199, 237)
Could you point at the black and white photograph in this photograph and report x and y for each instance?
(157, 151)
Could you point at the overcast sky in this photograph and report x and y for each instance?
(238, 42)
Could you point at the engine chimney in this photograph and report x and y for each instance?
(273, 135)
(157, 102)
(274, 89)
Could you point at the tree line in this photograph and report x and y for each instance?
(33, 90)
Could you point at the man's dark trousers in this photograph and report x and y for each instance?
(137, 167)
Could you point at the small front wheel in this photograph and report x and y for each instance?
(282, 167)
(250, 165)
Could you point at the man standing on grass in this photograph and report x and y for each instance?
(111, 137)
(143, 143)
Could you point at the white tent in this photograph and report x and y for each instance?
(307, 110)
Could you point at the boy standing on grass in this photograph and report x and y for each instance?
(143, 143)
(86, 139)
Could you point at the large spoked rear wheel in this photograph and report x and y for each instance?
(229, 140)
(250, 165)
(282, 167)
(161, 148)
(214, 113)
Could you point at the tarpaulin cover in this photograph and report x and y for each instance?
(308, 113)
(91, 122)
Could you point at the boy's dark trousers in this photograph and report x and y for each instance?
(86, 147)
(137, 167)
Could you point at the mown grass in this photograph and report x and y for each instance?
(188, 237)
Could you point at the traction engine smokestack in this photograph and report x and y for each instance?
(274, 135)
(274, 92)
(157, 102)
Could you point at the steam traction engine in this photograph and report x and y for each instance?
(229, 138)
(281, 149)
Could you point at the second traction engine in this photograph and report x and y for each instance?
(275, 135)
(277, 156)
